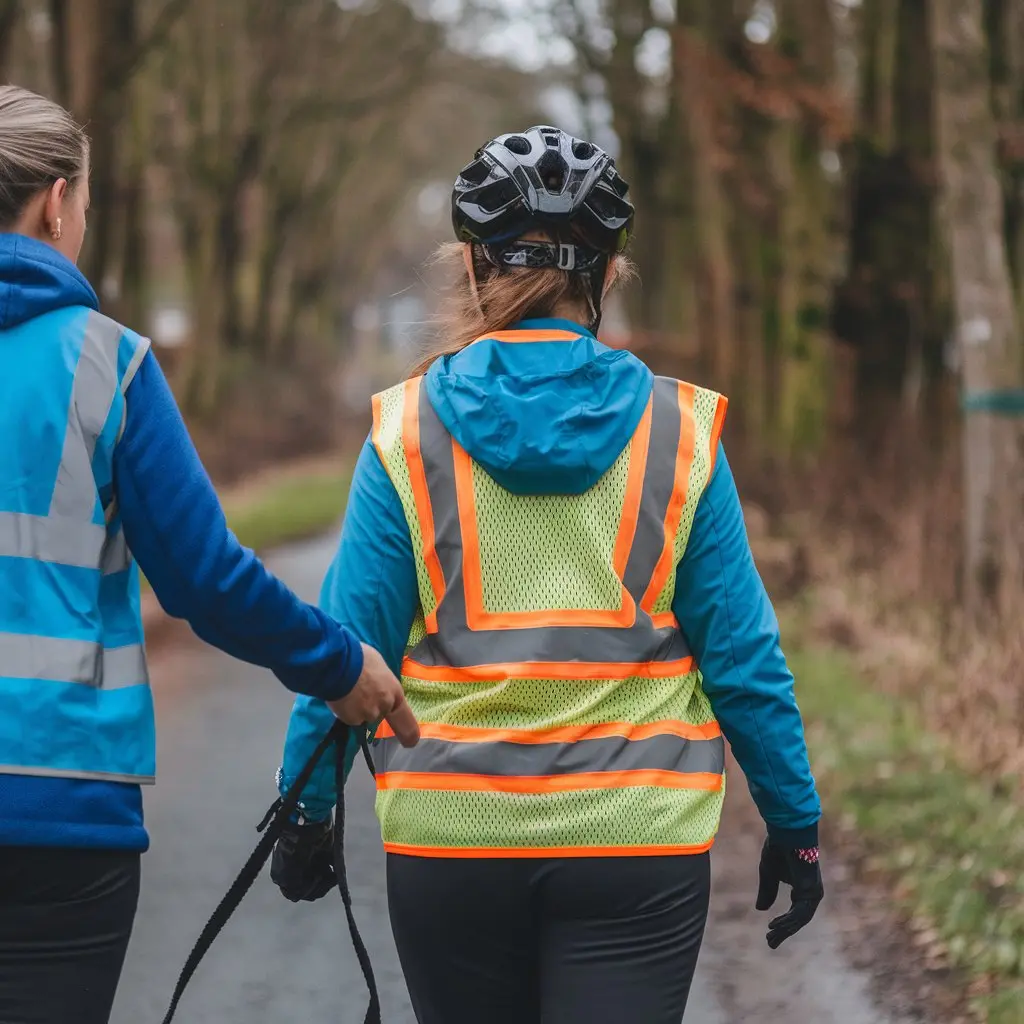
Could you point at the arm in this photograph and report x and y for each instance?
(371, 587)
(725, 612)
(176, 530)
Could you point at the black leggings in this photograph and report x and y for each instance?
(574, 941)
(65, 920)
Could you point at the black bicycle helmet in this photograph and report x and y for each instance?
(544, 178)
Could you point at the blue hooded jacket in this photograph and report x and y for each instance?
(175, 528)
(551, 418)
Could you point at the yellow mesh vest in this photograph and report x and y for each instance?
(561, 711)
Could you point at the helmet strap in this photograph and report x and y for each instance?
(467, 258)
(598, 277)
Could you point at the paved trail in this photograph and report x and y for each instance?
(221, 727)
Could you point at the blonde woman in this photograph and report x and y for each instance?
(545, 542)
(97, 476)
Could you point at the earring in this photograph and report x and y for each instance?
(55, 233)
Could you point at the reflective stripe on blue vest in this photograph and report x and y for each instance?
(74, 688)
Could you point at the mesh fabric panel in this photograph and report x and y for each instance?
(554, 703)
(705, 403)
(392, 402)
(418, 631)
(540, 552)
(634, 816)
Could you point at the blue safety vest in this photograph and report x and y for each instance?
(74, 691)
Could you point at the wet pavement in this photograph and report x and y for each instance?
(221, 726)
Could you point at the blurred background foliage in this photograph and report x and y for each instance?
(830, 229)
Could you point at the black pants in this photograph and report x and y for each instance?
(575, 941)
(65, 920)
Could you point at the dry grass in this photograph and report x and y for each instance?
(895, 620)
(878, 542)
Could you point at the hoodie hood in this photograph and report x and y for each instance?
(36, 279)
(541, 417)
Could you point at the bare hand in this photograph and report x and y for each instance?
(376, 695)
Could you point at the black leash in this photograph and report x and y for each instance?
(272, 825)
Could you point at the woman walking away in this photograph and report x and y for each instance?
(545, 541)
(97, 471)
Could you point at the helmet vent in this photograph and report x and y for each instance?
(497, 195)
(582, 150)
(518, 145)
(476, 173)
(552, 170)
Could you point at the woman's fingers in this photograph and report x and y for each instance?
(378, 694)
(404, 723)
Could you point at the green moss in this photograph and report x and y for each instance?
(954, 842)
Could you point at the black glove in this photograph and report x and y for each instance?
(302, 866)
(801, 870)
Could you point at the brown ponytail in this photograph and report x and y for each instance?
(503, 299)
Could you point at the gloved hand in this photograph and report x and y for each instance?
(799, 869)
(302, 866)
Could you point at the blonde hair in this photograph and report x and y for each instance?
(40, 142)
(502, 299)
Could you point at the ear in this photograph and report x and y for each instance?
(54, 205)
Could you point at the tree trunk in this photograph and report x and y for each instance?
(890, 305)
(710, 223)
(10, 11)
(992, 361)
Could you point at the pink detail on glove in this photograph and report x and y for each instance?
(809, 856)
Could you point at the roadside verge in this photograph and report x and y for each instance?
(948, 844)
(272, 508)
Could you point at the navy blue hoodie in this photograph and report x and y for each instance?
(176, 530)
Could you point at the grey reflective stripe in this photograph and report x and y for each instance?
(24, 656)
(439, 470)
(71, 773)
(456, 645)
(93, 391)
(52, 539)
(611, 754)
(63, 541)
(135, 362)
(116, 557)
(659, 481)
(462, 647)
(144, 345)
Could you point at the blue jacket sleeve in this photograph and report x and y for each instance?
(370, 587)
(176, 530)
(727, 616)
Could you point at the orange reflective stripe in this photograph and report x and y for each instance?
(684, 462)
(582, 670)
(375, 432)
(542, 784)
(528, 336)
(662, 620)
(716, 429)
(564, 734)
(479, 618)
(418, 480)
(504, 852)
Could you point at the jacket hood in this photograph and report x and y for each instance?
(36, 279)
(541, 417)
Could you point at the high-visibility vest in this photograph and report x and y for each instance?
(561, 710)
(74, 690)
